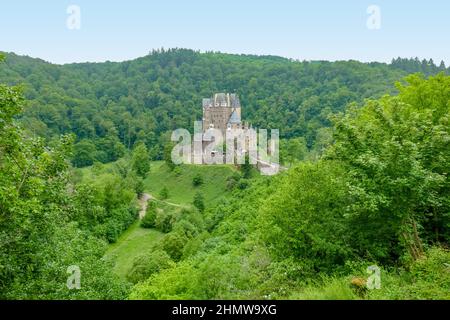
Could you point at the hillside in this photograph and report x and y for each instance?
(136, 241)
(362, 212)
(179, 183)
(112, 106)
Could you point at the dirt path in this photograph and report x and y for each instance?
(143, 201)
(145, 198)
(170, 203)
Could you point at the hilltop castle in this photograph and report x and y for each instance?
(237, 141)
(223, 112)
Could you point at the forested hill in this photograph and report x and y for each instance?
(111, 106)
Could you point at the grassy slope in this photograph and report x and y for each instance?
(133, 242)
(181, 190)
(137, 240)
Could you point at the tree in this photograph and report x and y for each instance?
(246, 168)
(39, 240)
(84, 153)
(168, 156)
(199, 202)
(304, 218)
(164, 221)
(391, 147)
(140, 160)
(173, 243)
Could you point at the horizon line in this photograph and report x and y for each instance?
(151, 51)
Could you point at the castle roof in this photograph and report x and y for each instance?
(222, 100)
(234, 118)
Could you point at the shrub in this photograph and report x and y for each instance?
(173, 243)
(139, 186)
(197, 180)
(164, 193)
(164, 222)
(177, 171)
(233, 180)
(147, 264)
(149, 220)
(427, 278)
(199, 202)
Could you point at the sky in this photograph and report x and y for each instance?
(118, 30)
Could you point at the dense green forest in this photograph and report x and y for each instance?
(110, 107)
(368, 144)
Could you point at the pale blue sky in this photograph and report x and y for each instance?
(119, 30)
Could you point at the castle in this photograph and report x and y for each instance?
(223, 112)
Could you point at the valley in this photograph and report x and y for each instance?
(362, 199)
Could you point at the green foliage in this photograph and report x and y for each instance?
(328, 288)
(164, 221)
(233, 180)
(246, 168)
(197, 180)
(84, 154)
(379, 195)
(149, 220)
(428, 278)
(39, 241)
(173, 243)
(199, 202)
(168, 156)
(119, 105)
(148, 264)
(140, 160)
(396, 151)
(132, 243)
(105, 204)
(293, 150)
(169, 284)
(304, 218)
(164, 193)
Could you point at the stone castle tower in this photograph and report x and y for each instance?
(222, 111)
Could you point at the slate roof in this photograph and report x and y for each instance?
(234, 118)
(222, 100)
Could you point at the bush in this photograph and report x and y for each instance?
(164, 193)
(233, 180)
(149, 220)
(199, 202)
(147, 264)
(197, 180)
(177, 171)
(242, 184)
(164, 222)
(428, 278)
(173, 243)
(139, 186)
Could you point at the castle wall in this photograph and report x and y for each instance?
(218, 116)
